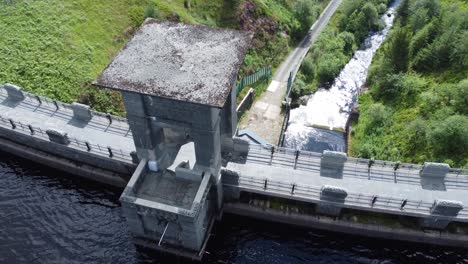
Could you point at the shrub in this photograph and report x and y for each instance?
(328, 68)
(449, 137)
(348, 39)
(377, 115)
(460, 97)
(307, 68)
(151, 12)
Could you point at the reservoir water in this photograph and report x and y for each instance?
(47, 216)
(330, 108)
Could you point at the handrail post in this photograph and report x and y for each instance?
(38, 98)
(56, 105)
(109, 117)
(297, 157)
(13, 125)
(31, 129)
(88, 146)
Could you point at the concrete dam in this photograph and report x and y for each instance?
(181, 164)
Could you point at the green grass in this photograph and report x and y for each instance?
(56, 48)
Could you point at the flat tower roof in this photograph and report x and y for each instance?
(191, 63)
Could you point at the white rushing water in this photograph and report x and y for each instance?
(330, 108)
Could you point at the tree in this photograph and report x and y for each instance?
(403, 11)
(328, 68)
(377, 116)
(397, 50)
(306, 13)
(460, 97)
(348, 39)
(432, 6)
(416, 133)
(419, 19)
(371, 15)
(449, 137)
(422, 38)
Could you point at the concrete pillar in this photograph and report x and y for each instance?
(440, 210)
(58, 137)
(229, 122)
(331, 198)
(81, 112)
(145, 136)
(434, 170)
(134, 104)
(332, 164)
(14, 92)
(231, 179)
(208, 150)
(241, 146)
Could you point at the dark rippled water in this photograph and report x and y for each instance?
(47, 216)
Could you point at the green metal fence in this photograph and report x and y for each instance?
(261, 74)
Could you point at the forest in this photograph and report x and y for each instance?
(416, 105)
(56, 48)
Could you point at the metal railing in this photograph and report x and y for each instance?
(369, 169)
(260, 74)
(353, 200)
(37, 132)
(55, 106)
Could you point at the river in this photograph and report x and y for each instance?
(330, 108)
(47, 216)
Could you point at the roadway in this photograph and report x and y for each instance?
(265, 117)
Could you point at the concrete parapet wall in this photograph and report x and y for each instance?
(114, 165)
(188, 174)
(333, 225)
(434, 223)
(246, 103)
(70, 167)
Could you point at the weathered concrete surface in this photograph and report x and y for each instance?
(368, 230)
(190, 63)
(46, 116)
(177, 213)
(265, 117)
(63, 164)
(283, 170)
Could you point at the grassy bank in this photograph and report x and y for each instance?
(416, 109)
(56, 48)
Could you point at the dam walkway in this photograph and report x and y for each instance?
(386, 187)
(103, 135)
(369, 185)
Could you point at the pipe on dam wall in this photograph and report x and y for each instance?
(340, 226)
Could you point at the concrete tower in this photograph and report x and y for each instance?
(177, 83)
